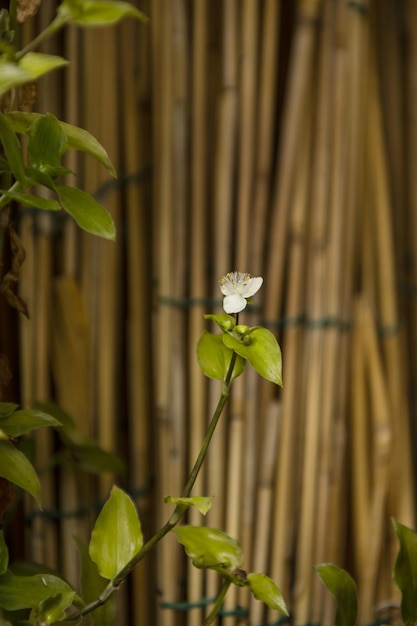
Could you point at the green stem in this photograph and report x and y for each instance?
(217, 605)
(178, 511)
(56, 25)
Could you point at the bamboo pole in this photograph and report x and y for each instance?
(287, 477)
(198, 288)
(224, 167)
(136, 95)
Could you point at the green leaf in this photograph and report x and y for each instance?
(11, 75)
(12, 149)
(214, 357)
(87, 212)
(264, 589)
(92, 584)
(28, 199)
(209, 548)
(53, 610)
(36, 64)
(342, 586)
(23, 421)
(47, 143)
(201, 503)
(4, 554)
(15, 467)
(77, 138)
(224, 322)
(24, 592)
(93, 13)
(7, 408)
(405, 572)
(117, 535)
(263, 353)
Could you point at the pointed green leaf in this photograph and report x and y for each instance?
(117, 535)
(47, 142)
(23, 421)
(92, 585)
(263, 353)
(4, 554)
(15, 467)
(28, 199)
(209, 547)
(214, 357)
(12, 149)
(87, 212)
(405, 572)
(93, 13)
(24, 592)
(36, 64)
(202, 503)
(77, 138)
(342, 586)
(264, 589)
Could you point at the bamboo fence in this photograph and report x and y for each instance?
(273, 137)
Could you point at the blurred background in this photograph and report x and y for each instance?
(267, 136)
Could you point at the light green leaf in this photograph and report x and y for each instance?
(77, 138)
(117, 535)
(12, 149)
(201, 503)
(87, 212)
(47, 143)
(264, 589)
(263, 353)
(7, 408)
(209, 548)
(4, 554)
(53, 610)
(28, 199)
(93, 13)
(15, 467)
(36, 64)
(342, 586)
(12, 75)
(405, 572)
(92, 584)
(224, 322)
(24, 421)
(214, 357)
(24, 592)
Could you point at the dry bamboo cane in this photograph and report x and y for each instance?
(382, 444)
(136, 94)
(242, 419)
(198, 244)
(401, 501)
(263, 505)
(322, 214)
(224, 167)
(168, 554)
(307, 596)
(287, 476)
(332, 538)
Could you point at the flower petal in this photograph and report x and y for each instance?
(254, 284)
(227, 288)
(234, 303)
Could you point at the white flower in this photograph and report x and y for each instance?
(237, 287)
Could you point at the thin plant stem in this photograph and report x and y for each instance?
(217, 605)
(178, 511)
(56, 25)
